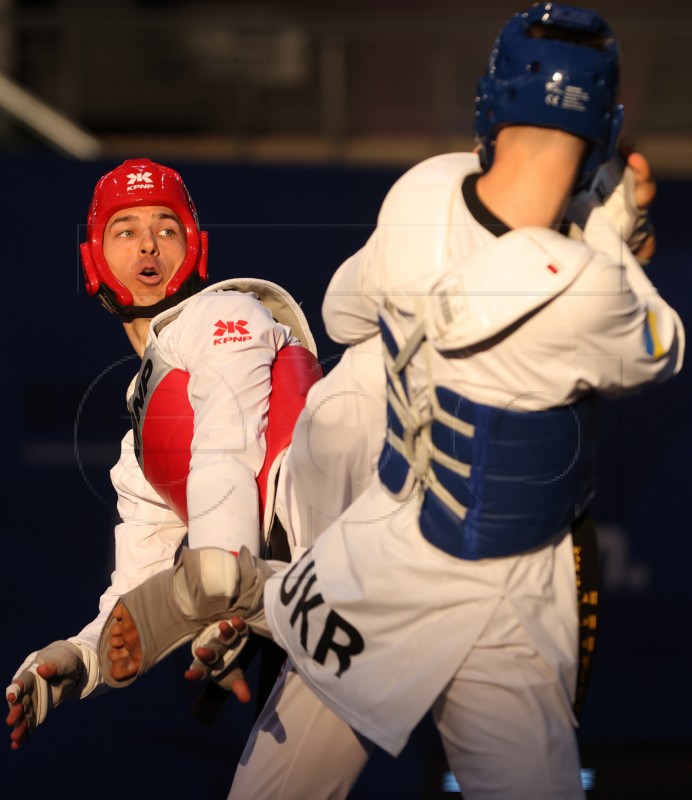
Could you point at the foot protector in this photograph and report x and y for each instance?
(173, 606)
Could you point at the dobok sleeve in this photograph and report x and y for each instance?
(350, 304)
(146, 540)
(229, 390)
(628, 335)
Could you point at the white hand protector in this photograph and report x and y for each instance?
(612, 191)
(39, 695)
(225, 668)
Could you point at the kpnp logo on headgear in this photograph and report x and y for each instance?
(139, 180)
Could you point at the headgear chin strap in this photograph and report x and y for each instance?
(141, 182)
(553, 66)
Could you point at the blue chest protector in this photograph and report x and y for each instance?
(496, 482)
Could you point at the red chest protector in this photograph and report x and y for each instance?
(163, 420)
(163, 434)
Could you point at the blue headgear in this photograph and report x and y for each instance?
(552, 83)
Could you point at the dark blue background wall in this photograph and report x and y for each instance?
(66, 365)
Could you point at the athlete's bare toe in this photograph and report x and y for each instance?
(125, 653)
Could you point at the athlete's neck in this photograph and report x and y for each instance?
(532, 176)
(137, 331)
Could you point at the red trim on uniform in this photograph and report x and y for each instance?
(294, 371)
(166, 440)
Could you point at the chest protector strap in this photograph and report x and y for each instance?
(496, 482)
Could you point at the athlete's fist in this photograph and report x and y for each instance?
(644, 194)
(644, 183)
(619, 195)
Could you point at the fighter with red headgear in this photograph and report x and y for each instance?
(136, 183)
(206, 443)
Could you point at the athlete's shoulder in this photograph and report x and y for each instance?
(551, 242)
(502, 282)
(222, 292)
(423, 187)
(221, 300)
(562, 259)
(441, 166)
(272, 301)
(226, 290)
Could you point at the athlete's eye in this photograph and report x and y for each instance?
(126, 234)
(167, 232)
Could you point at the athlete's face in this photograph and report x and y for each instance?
(144, 247)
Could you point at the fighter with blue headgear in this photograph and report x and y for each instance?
(553, 66)
(450, 584)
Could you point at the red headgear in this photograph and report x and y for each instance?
(141, 182)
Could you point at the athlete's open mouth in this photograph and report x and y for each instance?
(149, 274)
